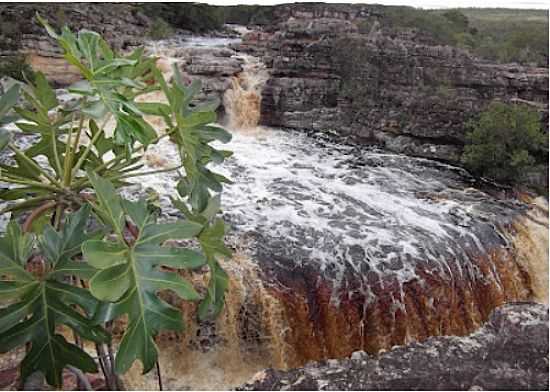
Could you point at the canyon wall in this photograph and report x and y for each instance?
(412, 98)
(122, 25)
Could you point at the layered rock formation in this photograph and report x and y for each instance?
(410, 97)
(510, 352)
(122, 25)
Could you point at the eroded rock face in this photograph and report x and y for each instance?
(510, 352)
(411, 97)
(122, 25)
(214, 67)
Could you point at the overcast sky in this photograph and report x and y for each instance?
(541, 4)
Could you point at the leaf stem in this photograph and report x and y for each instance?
(69, 153)
(81, 377)
(56, 154)
(78, 185)
(35, 165)
(36, 213)
(57, 217)
(159, 376)
(139, 174)
(36, 184)
(92, 142)
(28, 202)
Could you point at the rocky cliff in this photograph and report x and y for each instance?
(412, 98)
(510, 352)
(20, 33)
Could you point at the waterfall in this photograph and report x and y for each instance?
(242, 100)
(337, 249)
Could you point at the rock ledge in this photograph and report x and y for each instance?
(510, 352)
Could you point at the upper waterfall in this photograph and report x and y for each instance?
(242, 100)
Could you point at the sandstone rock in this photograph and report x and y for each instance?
(510, 352)
(122, 25)
(214, 67)
(411, 97)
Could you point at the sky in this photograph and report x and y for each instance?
(540, 4)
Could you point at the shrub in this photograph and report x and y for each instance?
(84, 256)
(188, 16)
(506, 142)
(160, 29)
(495, 34)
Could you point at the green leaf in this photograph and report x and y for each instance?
(110, 284)
(51, 32)
(209, 133)
(109, 207)
(73, 268)
(211, 240)
(63, 245)
(158, 233)
(9, 290)
(34, 320)
(170, 257)
(212, 305)
(15, 250)
(9, 99)
(212, 208)
(197, 119)
(96, 109)
(212, 244)
(44, 93)
(133, 285)
(154, 108)
(81, 87)
(104, 254)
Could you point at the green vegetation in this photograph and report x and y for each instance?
(85, 257)
(495, 34)
(358, 83)
(203, 18)
(247, 14)
(196, 17)
(506, 143)
(160, 29)
(443, 28)
(511, 35)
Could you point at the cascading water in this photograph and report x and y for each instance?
(339, 248)
(243, 100)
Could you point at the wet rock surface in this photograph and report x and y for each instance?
(510, 352)
(364, 249)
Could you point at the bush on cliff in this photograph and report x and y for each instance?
(506, 143)
(196, 17)
(495, 34)
(160, 29)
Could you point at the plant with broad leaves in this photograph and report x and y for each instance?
(84, 256)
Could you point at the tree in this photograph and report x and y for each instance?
(84, 255)
(505, 142)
